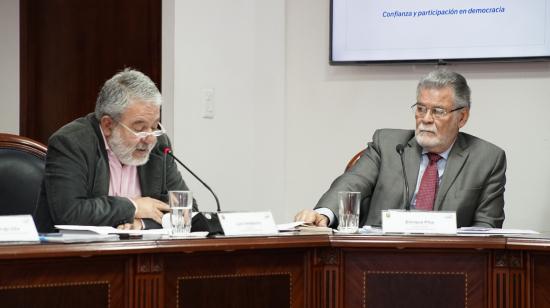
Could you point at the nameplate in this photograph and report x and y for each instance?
(18, 228)
(424, 222)
(247, 223)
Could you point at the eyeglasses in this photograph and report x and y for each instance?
(437, 112)
(143, 135)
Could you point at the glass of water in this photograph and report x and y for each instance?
(348, 211)
(181, 210)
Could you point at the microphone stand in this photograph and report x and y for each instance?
(201, 181)
(202, 221)
(400, 149)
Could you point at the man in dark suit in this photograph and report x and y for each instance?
(469, 172)
(106, 169)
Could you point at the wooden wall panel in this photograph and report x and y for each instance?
(69, 48)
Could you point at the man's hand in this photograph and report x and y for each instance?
(150, 208)
(136, 225)
(312, 217)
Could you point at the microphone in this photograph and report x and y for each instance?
(202, 221)
(164, 189)
(400, 149)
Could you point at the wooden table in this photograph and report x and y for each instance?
(280, 271)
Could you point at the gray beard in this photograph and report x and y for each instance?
(423, 142)
(124, 152)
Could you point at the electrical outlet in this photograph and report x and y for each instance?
(208, 100)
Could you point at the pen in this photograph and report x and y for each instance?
(43, 237)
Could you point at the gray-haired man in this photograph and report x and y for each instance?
(106, 169)
(468, 174)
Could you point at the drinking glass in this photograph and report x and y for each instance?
(181, 210)
(348, 211)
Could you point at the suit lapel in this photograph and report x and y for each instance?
(150, 176)
(457, 157)
(102, 169)
(413, 153)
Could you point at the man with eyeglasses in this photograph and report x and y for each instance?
(447, 170)
(107, 168)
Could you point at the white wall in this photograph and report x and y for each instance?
(9, 66)
(287, 122)
(236, 48)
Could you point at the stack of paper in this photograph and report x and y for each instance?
(76, 233)
(106, 230)
(77, 238)
(492, 231)
(308, 229)
(303, 228)
(84, 234)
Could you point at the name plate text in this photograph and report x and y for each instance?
(424, 222)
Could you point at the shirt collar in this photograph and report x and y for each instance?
(445, 154)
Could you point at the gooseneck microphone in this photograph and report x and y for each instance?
(202, 221)
(164, 189)
(168, 150)
(400, 149)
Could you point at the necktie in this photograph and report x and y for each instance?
(428, 185)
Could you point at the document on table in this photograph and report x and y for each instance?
(291, 226)
(303, 228)
(107, 230)
(493, 231)
(85, 234)
(77, 238)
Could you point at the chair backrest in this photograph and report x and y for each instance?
(22, 162)
(354, 159)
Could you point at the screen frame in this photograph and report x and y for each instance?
(430, 61)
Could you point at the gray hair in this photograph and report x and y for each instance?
(442, 78)
(123, 88)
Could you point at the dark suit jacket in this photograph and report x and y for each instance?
(472, 184)
(76, 183)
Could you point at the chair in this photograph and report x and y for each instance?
(22, 162)
(354, 159)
